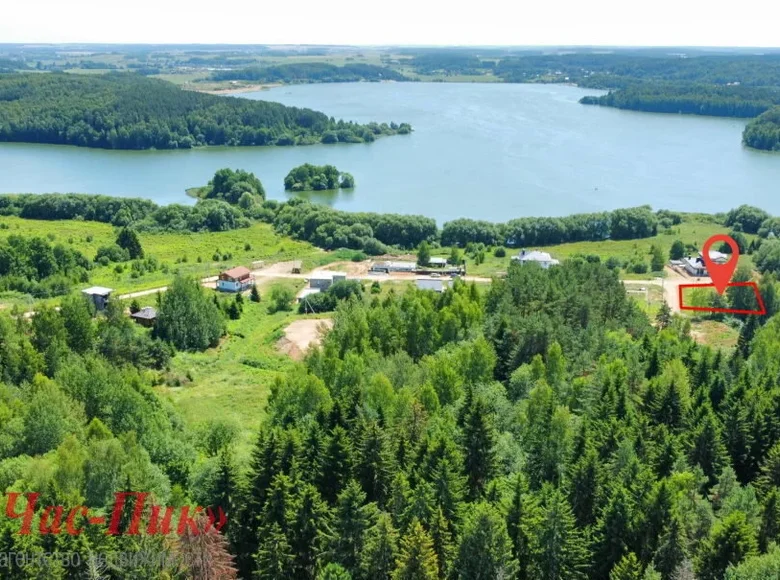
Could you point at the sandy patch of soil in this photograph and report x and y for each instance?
(302, 334)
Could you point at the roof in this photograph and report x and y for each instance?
(237, 272)
(437, 261)
(97, 291)
(147, 313)
(535, 256)
(307, 291)
(717, 256)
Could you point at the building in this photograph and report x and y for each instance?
(147, 316)
(544, 259)
(99, 296)
(435, 284)
(235, 280)
(437, 262)
(697, 267)
(324, 280)
(390, 266)
(306, 292)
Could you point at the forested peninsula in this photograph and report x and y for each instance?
(129, 111)
(764, 131)
(314, 72)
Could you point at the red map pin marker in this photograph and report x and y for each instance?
(720, 273)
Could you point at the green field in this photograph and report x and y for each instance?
(176, 252)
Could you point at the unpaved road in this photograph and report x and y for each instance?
(671, 286)
(282, 270)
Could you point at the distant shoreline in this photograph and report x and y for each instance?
(235, 90)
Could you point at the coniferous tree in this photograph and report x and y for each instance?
(334, 572)
(614, 533)
(309, 530)
(583, 487)
(417, 560)
(381, 549)
(448, 489)
(706, 448)
(558, 549)
(519, 519)
(374, 464)
(485, 550)
(770, 470)
(337, 466)
(128, 239)
(479, 438)
(274, 557)
(770, 520)
(730, 541)
(443, 543)
(351, 522)
(628, 568)
(672, 550)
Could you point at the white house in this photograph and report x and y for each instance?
(697, 267)
(544, 259)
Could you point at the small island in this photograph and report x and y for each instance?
(308, 177)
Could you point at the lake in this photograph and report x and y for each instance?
(487, 151)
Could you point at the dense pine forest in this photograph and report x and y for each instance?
(128, 111)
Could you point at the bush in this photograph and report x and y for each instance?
(500, 252)
(639, 267)
(281, 299)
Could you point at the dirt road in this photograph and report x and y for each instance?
(671, 286)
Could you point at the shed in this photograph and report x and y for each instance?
(437, 262)
(296, 267)
(435, 284)
(147, 316)
(390, 266)
(235, 280)
(99, 295)
(324, 280)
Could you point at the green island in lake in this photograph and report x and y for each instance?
(308, 177)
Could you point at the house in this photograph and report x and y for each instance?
(389, 266)
(235, 280)
(99, 296)
(324, 280)
(147, 316)
(544, 259)
(697, 267)
(435, 284)
(437, 262)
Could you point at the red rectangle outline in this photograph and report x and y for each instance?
(725, 310)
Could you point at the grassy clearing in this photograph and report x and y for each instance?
(715, 334)
(234, 379)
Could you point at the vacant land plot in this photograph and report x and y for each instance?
(302, 334)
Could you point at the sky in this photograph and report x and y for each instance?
(750, 23)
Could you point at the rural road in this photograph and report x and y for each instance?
(273, 274)
(670, 285)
